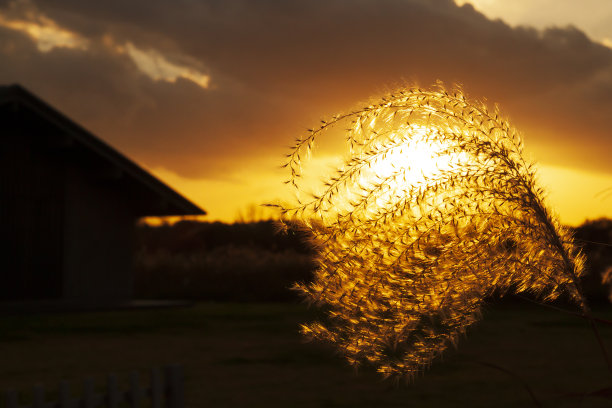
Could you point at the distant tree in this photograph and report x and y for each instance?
(255, 213)
(595, 239)
(218, 261)
(410, 248)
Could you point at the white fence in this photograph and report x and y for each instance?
(164, 390)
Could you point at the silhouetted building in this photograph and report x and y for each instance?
(68, 206)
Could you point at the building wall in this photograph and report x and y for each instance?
(98, 239)
(31, 218)
(66, 227)
(68, 206)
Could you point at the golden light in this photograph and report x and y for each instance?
(385, 169)
(410, 162)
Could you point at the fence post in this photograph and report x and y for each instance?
(64, 395)
(12, 399)
(134, 389)
(157, 388)
(112, 391)
(38, 397)
(88, 390)
(174, 386)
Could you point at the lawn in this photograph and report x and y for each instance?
(251, 355)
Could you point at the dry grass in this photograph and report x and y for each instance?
(406, 259)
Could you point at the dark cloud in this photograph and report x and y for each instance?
(276, 66)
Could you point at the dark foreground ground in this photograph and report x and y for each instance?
(251, 355)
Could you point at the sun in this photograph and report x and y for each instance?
(385, 169)
(412, 160)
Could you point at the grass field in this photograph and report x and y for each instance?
(251, 355)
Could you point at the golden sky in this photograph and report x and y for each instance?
(208, 95)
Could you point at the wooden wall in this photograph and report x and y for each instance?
(66, 231)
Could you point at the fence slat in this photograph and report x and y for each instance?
(134, 389)
(113, 397)
(89, 393)
(64, 395)
(38, 396)
(174, 386)
(157, 388)
(11, 399)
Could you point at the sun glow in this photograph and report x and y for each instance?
(409, 163)
(381, 173)
(434, 210)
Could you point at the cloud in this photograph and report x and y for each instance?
(158, 68)
(25, 17)
(550, 13)
(42, 30)
(206, 87)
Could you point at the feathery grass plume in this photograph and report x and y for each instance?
(434, 209)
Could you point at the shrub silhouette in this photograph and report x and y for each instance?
(406, 259)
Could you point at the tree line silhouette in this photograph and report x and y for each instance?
(253, 261)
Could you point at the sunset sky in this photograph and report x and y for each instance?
(208, 95)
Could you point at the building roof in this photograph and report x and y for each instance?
(152, 197)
